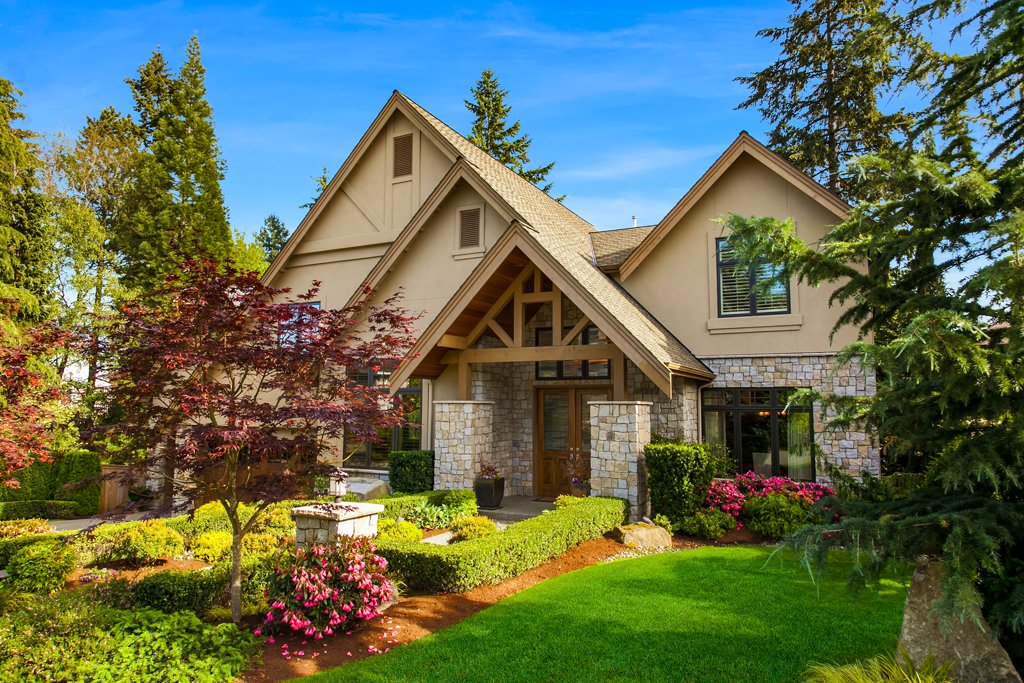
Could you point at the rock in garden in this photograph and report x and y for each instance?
(368, 488)
(978, 656)
(642, 536)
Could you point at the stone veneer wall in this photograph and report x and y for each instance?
(619, 432)
(463, 440)
(676, 417)
(855, 450)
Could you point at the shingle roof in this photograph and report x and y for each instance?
(567, 238)
(611, 247)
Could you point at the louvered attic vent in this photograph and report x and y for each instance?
(403, 155)
(469, 228)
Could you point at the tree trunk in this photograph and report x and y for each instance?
(236, 577)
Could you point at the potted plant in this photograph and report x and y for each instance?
(579, 485)
(489, 487)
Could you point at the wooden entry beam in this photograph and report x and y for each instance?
(533, 353)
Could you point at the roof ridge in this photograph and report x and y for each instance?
(551, 204)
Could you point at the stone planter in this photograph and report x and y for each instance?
(489, 492)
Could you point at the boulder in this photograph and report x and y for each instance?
(642, 535)
(977, 655)
(368, 488)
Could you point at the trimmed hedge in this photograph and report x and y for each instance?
(173, 591)
(411, 471)
(491, 559)
(35, 483)
(680, 475)
(10, 546)
(45, 509)
(73, 467)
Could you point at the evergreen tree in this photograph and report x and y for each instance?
(492, 133)
(178, 208)
(272, 236)
(248, 257)
(935, 247)
(26, 253)
(838, 59)
(321, 185)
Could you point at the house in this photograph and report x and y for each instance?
(546, 343)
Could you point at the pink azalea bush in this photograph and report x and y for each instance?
(327, 588)
(729, 496)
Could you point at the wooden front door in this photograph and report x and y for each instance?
(563, 429)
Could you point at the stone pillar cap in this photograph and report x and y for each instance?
(338, 511)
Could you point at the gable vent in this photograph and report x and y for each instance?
(469, 228)
(403, 155)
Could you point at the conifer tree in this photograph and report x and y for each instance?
(321, 184)
(26, 254)
(492, 133)
(271, 236)
(178, 209)
(838, 59)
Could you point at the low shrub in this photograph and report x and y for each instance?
(665, 523)
(75, 638)
(468, 528)
(172, 591)
(326, 588)
(207, 518)
(707, 524)
(10, 546)
(431, 510)
(23, 527)
(144, 542)
(391, 530)
(211, 546)
(679, 475)
(48, 509)
(12, 599)
(883, 669)
(776, 514)
(411, 471)
(42, 567)
(77, 481)
(521, 546)
(276, 520)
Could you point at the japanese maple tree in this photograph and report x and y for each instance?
(30, 393)
(231, 390)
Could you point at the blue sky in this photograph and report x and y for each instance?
(633, 102)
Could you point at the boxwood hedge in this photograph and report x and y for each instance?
(411, 471)
(521, 546)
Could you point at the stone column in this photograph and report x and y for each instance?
(463, 439)
(619, 430)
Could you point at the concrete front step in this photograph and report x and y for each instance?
(516, 509)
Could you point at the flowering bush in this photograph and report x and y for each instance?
(326, 588)
(725, 496)
(17, 528)
(751, 484)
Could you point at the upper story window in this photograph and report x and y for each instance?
(741, 287)
(402, 165)
(300, 326)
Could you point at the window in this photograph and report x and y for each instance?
(761, 431)
(571, 369)
(403, 155)
(741, 287)
(299, 326)
(469, 228)
(405, 438)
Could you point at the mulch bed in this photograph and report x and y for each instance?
(137, 573)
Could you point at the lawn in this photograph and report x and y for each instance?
(724, 614)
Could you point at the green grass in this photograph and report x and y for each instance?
(711, 614)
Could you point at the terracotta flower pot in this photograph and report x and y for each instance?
(579, 490)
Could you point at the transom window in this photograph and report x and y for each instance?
(572, 369)
(374, 454)
(761, 430)
(741, 288)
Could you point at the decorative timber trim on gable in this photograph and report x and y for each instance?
(511, 258)
(397, 102)
(743, 144)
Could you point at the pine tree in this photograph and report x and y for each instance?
(950, 220)
(838, 59)
(492, 133)
(26, 253)
(321, 184)
(272, 236)
(178, 208)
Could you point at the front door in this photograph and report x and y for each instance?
(563, 430)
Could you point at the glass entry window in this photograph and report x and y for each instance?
(374, 454)
(761, 431)
(563, 420)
